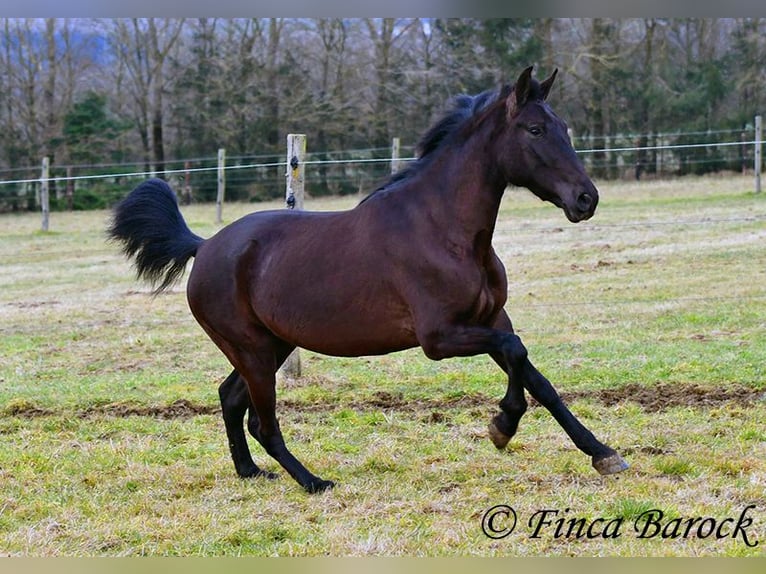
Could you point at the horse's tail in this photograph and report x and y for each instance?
(153, 232)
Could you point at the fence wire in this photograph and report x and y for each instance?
(261, 177)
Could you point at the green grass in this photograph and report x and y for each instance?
(650, 319)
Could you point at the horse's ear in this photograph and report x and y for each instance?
(520, 92)
(545, 87)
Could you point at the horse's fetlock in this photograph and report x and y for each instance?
(516, 408)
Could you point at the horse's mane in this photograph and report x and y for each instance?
(459, 110)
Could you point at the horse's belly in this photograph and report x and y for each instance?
(339, 321)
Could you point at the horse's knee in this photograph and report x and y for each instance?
(515, 351)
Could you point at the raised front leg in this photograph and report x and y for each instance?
(513, 405)
(522, 374)
(507, 349)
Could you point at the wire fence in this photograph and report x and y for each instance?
(355, 171)
(262, 177)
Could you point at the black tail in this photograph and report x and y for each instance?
(152, 230)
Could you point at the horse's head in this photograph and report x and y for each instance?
(537, 153)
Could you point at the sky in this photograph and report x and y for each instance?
(398, 8)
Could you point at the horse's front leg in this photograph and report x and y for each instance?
(500, 343)
(514, 404)
(523, 373)
(506, 347)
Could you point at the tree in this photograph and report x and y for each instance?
(143, 46)
(603, 54)
(192, 86)
(331, 103)
(385, 34)
(748, 63)
(90, 131)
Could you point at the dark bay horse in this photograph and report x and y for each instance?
(411, 265)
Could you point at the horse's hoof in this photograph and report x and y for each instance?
(319, 485)
(611, 464)
(498, 438)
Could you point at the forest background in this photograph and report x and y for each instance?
(115, 96)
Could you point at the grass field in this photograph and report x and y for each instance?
(650, 319)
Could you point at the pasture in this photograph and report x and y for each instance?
(649, 319)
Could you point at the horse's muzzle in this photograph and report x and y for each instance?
(582, 208)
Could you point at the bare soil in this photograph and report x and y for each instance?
(652, 398)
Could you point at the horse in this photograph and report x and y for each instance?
(411, 265)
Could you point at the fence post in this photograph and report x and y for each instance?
(395, 154)
(294, 192)
(221, 185)
(296, 157)
(69, 188)
(44, 195)
(658, 142)
(758, 161)
(187, 192)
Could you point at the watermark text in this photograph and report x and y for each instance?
(502, 520)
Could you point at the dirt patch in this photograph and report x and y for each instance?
(383, 400)
(180, 409)
(32, 304)
(659, 397)
(652, 398)
(26, 409)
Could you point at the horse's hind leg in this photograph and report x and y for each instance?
(257, 365)
(235, 402)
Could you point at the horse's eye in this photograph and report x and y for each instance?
(535, 131)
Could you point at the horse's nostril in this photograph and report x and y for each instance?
(584, 201)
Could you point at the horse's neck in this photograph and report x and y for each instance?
(467, 188)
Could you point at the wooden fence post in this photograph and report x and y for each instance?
(221, 185)
(294, 192)
(44, 195)
(69, 188)
(187, 192)
(296, 173)
(758, 160)
(395, 154)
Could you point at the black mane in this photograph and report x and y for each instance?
(459, 110)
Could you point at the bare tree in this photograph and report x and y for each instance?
(385, 34)
(143, 46)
